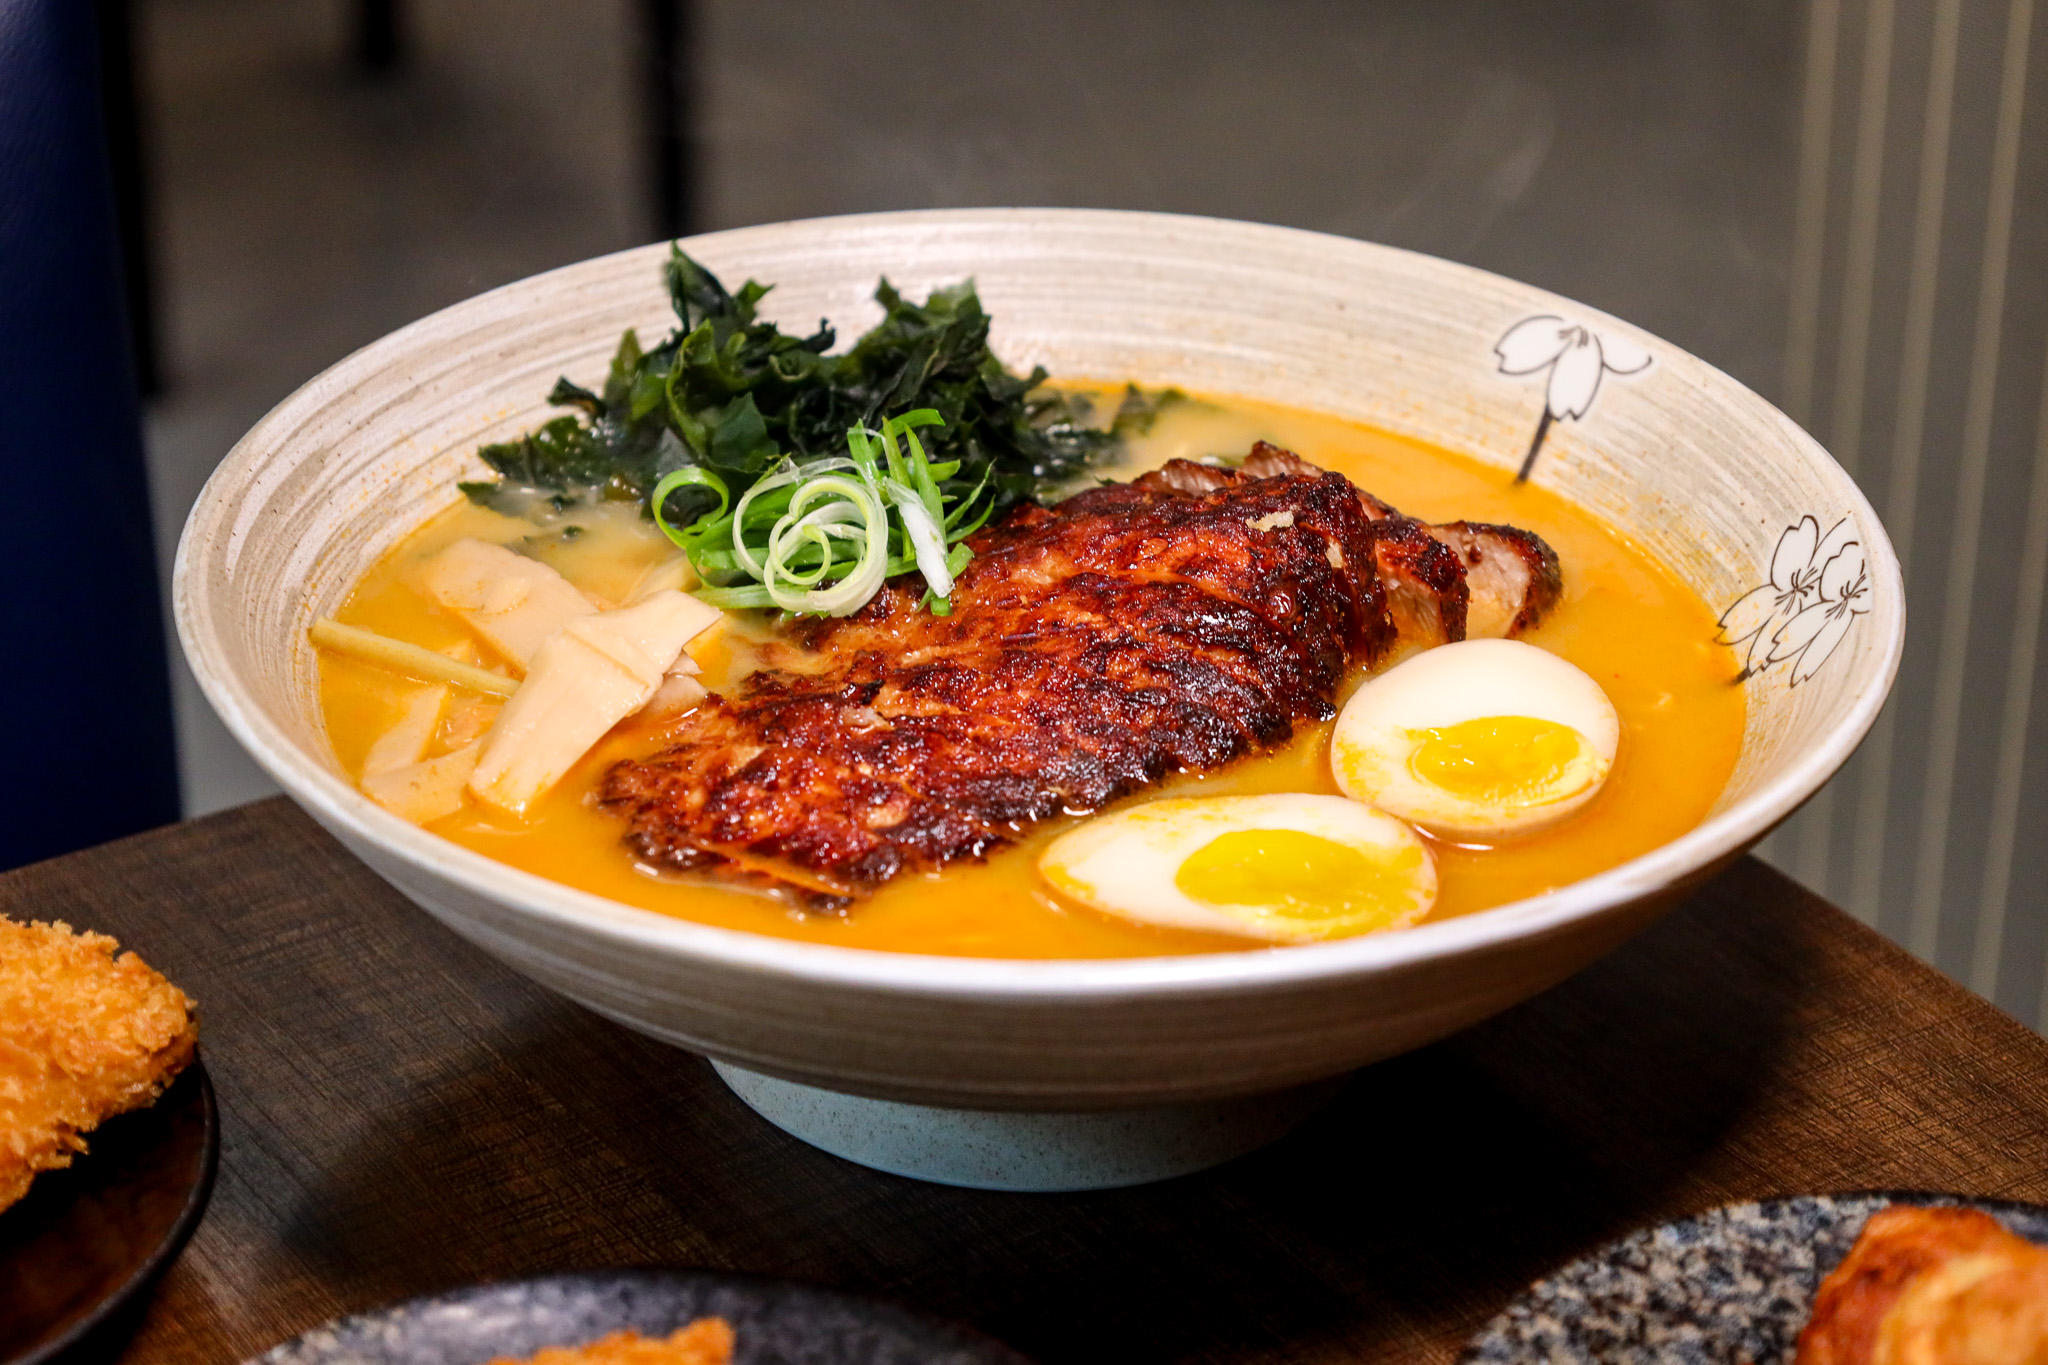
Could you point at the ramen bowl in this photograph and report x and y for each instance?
(1063, 1074)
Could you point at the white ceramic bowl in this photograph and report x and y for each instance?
(1687, 462)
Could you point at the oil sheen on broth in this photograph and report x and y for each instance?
(1624, 619)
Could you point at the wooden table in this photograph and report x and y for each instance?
(403, 1115)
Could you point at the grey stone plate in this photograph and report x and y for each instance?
(1732, 1285)
(774, 1323)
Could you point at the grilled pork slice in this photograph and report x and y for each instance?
(1093, 648)
(1425, 580)
(1510, 577)
(1173, 623)
(1462, 580)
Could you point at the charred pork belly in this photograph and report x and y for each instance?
(1483, 582)
(1460, 580)
(1174, 623)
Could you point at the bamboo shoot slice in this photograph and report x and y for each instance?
(673, 573)
(468, 719)
(586, 678)
(710, 644)
(427, 790)
(405, 743)
(679, 692)
(513, 602)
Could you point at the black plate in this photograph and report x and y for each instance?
(1731, 1284)
(774, 1322)
(88, 1242)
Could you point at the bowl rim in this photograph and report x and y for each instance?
(345, 811)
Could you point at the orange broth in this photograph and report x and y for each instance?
(1625, 619)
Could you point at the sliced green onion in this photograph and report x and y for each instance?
(927, 536)
(690, 476)
(956, 532)
(821, 537)
(788, 474)
(840, 502)
(742, 598)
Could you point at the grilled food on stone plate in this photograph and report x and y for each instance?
(707, 1341)
(1932, 1286)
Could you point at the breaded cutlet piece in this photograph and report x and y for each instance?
(707, 1341)
(84, 1035)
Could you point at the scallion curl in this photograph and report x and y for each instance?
(690, 476)
(822, 536)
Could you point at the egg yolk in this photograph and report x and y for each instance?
(1302, 877)
(1504, 759)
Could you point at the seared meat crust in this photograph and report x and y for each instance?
(1095, 647)
(1426, 587)
(1173, 623)
(1479, 581)
(1512, 577)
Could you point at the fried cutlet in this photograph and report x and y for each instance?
(707, 1341)
(84, 1035)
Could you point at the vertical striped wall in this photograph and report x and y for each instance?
(1917, 351)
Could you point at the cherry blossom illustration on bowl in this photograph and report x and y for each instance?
(1576, 356)
(1819, 585)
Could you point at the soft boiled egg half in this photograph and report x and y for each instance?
(1477, 740)
(1288, 868)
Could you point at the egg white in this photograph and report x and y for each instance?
(1375, 740)
(1126, 863)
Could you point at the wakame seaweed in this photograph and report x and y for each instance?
(731, 393)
